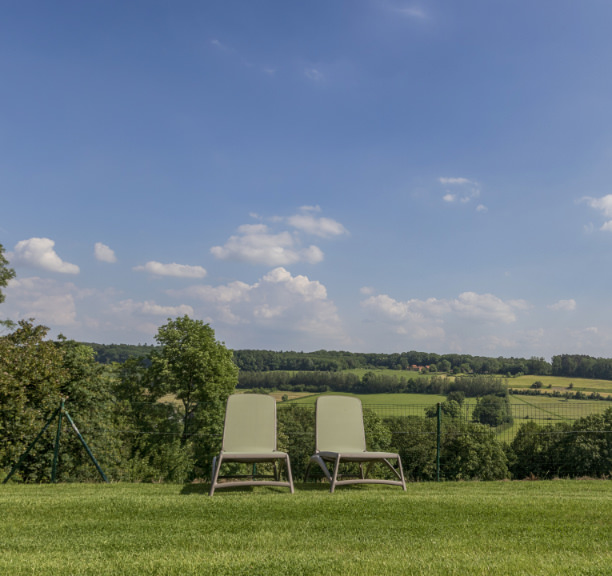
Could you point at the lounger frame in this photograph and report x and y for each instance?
(340, 438)
(249, 436)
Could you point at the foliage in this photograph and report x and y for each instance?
(467, 450)
(153, 451)
(6, 273)
(199, 371)
(34, 375)
(296, 435)
(448, 409)
(582, 366)
(493, 411)
(109, 353)
(582, 448)
(179, 438)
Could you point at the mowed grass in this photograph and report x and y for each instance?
(501, 528)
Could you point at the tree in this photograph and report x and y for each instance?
(31, 377)
(493, 410)
(6, 274)
(199, 371)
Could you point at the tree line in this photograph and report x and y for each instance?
(570, 365)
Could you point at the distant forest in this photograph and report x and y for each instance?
(570, 365)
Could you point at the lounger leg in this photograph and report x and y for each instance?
(335, 476)
(361, 475)
(213, 483)
(289, 475)
(399, 463)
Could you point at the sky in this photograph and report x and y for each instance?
(361, 175)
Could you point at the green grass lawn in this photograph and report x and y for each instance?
(536, 528)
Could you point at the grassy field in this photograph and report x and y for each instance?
(500, 528)
(562, 384)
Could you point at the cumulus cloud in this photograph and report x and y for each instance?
(173, 269)
(104, 254)
(40, 253)
(604, 205)
(565, 305)
(256, 244)
(273, 245)
(323, 227)
(46, 300)
(279, 302)
(468, 306)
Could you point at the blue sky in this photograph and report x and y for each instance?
(374, 176)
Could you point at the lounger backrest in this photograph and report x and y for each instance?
(340, 424)
(250, 424)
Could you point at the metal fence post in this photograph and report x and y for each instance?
(57, 441)
(438, 443)
(89, 452)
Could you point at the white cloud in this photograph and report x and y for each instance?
(566, 305)
(468, 190)
(481, 208)
(468, 305)
(454, 181)
(607, 227)
(279, 303)
(604, 205)
(173, 269)
(39, 253)
(104, 254)
(150, 308)
(255, 244)
(46, 300)
(323, 227)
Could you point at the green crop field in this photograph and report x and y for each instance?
(472, 528)
(381, 399)
(586, 385)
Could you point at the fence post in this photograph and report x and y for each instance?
(57, 441)
(438, 443)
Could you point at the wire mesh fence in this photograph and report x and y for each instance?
(535, 436)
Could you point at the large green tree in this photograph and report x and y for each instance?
(199, 371)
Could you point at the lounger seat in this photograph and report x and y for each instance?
(340, 438)
(249, 437)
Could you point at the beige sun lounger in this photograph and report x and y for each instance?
(249, 436)
(340, 438)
